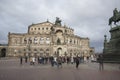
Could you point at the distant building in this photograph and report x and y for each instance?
(48, 39)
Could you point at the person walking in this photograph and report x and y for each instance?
(59, 61)
(52, 61)
(100, 60)
(77, 62)
(72, 60)
(55, 60)
(21, 60)
(26, 59)
(33, 60)
(38, 59)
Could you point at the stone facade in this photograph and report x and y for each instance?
(48, 39)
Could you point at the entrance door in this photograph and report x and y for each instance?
(59, 52)
(3, 52)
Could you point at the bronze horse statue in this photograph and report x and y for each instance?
(58, 21)
(114, 18)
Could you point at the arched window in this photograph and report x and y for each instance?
(74, 41)
(35, 49)
(47, 40)
(35, 40)
(41, 40)
(58, 41)
(30, 40)
(24, 49)
(25, 40)
(47, 49)
(41, 49)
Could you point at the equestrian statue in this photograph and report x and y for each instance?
(115, 18)
(58, 21)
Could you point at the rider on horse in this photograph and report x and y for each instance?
(58, 21)
(115, 13)
(115, 18)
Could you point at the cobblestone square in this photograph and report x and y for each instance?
(12, 70)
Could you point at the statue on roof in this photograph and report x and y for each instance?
(58, 21)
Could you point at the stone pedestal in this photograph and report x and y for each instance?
(115, 40)
(112, 48)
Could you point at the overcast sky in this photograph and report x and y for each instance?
(88, 18)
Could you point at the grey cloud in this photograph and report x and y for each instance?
(89, 18)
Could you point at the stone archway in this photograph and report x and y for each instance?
(3, 52)
(59, 51)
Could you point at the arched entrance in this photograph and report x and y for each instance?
(59, 51)
(3, 52)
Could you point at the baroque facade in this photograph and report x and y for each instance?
(48, 39)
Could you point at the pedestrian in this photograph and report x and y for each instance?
(43, 60)
(55, 60)
(68, 60)
(52, 61)
(100, 60)
(59, 60)
(21, 59)
(72, 60)
(26, 59)
(77, 62)
(46, 59)
(38, 60)
(33, 60)
(85, 59)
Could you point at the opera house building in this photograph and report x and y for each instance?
(48, 39)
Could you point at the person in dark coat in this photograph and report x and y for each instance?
(77, 62)
(26, 59)
(21, 59)
(52, 61)
(59, 61)
(100, 60)
(38, 60)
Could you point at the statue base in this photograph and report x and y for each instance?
(112, 49)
